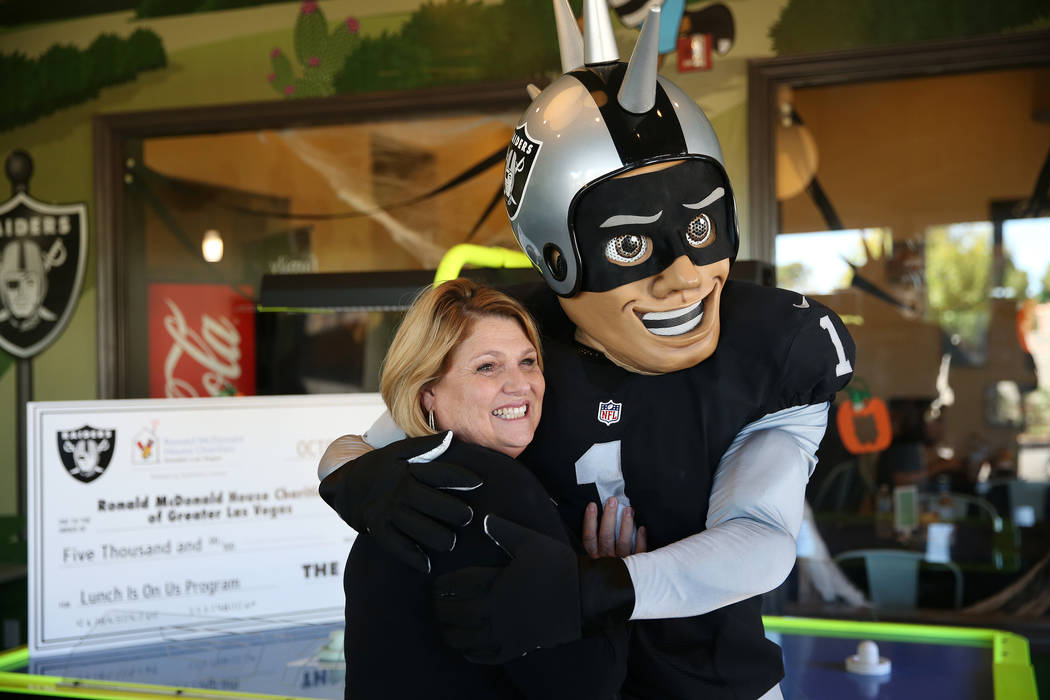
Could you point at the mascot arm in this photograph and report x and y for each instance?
(754, 515)
(349, 447)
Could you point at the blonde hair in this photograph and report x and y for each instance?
(439, 319)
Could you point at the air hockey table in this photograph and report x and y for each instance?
(302, 662)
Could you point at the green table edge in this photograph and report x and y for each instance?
(57, 686)
(1012, 673)
(1013, 677)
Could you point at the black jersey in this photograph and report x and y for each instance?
(668, 432)
(393, 649)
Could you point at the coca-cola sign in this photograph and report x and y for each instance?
(201, 341)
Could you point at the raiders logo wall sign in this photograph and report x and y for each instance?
(86, 451)
(43, 251)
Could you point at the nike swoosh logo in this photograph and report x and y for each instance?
(803, 305)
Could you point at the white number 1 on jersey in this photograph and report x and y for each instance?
(843, 367)
(600, 465)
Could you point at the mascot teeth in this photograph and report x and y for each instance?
(676, 321)
(510, 413)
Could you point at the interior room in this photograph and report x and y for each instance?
(228, 216)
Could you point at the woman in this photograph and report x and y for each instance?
(466, 360)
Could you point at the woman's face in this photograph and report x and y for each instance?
(493, 389)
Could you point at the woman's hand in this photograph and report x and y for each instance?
(601, 540)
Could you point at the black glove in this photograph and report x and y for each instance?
(545, 596)
(397, 502)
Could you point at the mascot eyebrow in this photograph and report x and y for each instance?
(628, 219)
(715, 195)
(625, 219)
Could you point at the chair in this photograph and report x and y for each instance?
(962, 505)
(1016, 493)
(840, 488)
(1032, 494)
(893, 576)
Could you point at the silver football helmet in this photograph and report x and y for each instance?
(602, 118)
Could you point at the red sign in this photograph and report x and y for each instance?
(694, 52)
(201, 341)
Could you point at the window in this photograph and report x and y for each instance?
(365, 185)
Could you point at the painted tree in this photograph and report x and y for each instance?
(320, 53)
(824, 25)
(456, 41)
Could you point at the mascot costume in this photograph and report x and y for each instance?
(696, 400)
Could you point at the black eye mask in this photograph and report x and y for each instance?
(642, 197)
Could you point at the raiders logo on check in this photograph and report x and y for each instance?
(86, 451)
(43, 249)
(520, 156)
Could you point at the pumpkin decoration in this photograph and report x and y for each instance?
(861, 405)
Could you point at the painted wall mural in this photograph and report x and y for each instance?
(439, 44)
(825, 25)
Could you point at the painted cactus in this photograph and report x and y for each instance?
(319, 52)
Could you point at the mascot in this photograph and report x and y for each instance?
(697, 400)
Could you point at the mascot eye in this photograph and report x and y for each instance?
(701, 232)
(629, 249)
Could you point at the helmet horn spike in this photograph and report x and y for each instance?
(638, 92)
(599, 44)
(570, 41)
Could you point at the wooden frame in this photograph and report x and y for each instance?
(112, 132)
(765, 76)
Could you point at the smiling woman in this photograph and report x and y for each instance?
(492, 390)
(462, 353)
(465, 360)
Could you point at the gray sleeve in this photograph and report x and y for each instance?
(383, 432)
(343, 449)
(754, 514)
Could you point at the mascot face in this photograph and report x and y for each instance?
(655, 247)
(654, 325)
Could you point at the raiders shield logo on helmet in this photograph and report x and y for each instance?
(520, 156)
(43, 250)
(86, 451)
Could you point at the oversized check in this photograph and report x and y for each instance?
(176, 518)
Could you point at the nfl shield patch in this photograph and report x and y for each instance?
(86, 451)
(521, 154)
(609, 412)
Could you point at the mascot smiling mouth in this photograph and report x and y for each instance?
(675, 321)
